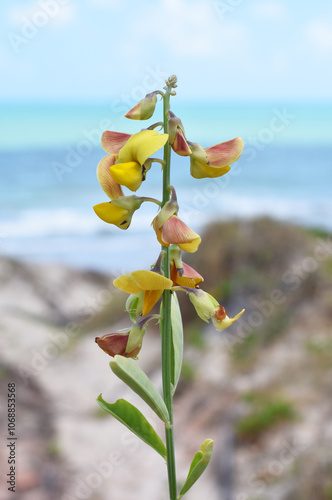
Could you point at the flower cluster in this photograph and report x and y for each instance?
(128, 160)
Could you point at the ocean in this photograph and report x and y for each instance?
(48, 158)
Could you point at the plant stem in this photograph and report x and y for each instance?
(166, 329)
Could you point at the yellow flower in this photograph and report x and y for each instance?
(120, 209)
(149, 282)
(214, 161)
(129, 169)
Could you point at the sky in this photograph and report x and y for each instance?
(93, 50)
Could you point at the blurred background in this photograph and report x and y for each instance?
(262, 70)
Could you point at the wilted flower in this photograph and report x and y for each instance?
(126, 343)
(214, 161)
(116, 343)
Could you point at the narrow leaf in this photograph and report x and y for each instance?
(132, 418)
(177, 340)
(198, 465)
(128, 371)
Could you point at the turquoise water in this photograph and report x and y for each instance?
(49, 153)
(33, 126)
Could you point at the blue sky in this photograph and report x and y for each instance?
(91, 50)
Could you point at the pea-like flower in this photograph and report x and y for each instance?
(208, 308)
(120, 209)
(116, 343)
(181, 273)
(149, 283)
(214, 161)
(144, 109)
(177, 138)
(172, 230)
(127, 342)
(131, 164)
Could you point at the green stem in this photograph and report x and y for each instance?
(166, 329)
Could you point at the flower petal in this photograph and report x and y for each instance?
(155, 225)
(180, 145)
(113, 214)
(151, 298)
(225, 153)
(200, 170)
(190, 278)
(141, 145)
(142, 280)
(176, 231)
(113, 343)
(192, 246)
(127, 174)
(112, 142)
(221, 320)
(108, 184)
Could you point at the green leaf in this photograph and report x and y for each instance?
(198, 466)
(132, 418)
(177, 341)
(128, 371)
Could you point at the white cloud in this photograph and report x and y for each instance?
(319, 33)
(35, 12)
(189, 29)
(108, 4)
(270, 10)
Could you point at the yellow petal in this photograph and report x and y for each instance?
(222, 321)
(155, 224)
(141, 145)
(200, 170)
(142, 280)
(127, 174)
(151, 298)
(108, 184)
(113, 214)
(148, 148)
(192, 246)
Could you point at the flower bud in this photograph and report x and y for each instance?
(144, 109)
(204, 304)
